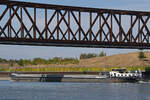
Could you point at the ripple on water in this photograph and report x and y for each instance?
(73, 91)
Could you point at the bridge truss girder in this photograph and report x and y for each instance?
(23, 23)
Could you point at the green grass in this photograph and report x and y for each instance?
(69, 69)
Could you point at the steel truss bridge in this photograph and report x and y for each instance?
(25, 23)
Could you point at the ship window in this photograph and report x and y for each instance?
(129, 75)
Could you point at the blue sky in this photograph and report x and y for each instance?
(29, 52)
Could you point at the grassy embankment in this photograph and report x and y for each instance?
(68, 69)
(95, 63)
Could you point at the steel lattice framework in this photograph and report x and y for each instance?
(24, 23)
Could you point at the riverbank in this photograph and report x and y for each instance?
(72, 69)
(5, 78)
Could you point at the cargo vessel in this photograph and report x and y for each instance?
(114, 76)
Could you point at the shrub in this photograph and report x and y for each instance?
(141, 55)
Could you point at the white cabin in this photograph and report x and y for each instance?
(122, 73)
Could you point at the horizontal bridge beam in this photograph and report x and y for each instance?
(63, 43)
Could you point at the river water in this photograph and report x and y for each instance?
(73, 91)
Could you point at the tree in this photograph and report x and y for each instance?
(11, 63)
(3, 60)
(37, 61)
(27, 62)
(83, 56)
(86, 56)
(141, 55)
(20, 62)
(102, 54)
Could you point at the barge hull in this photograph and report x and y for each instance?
(73, 79)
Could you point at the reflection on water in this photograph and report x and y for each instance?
(73, 91)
